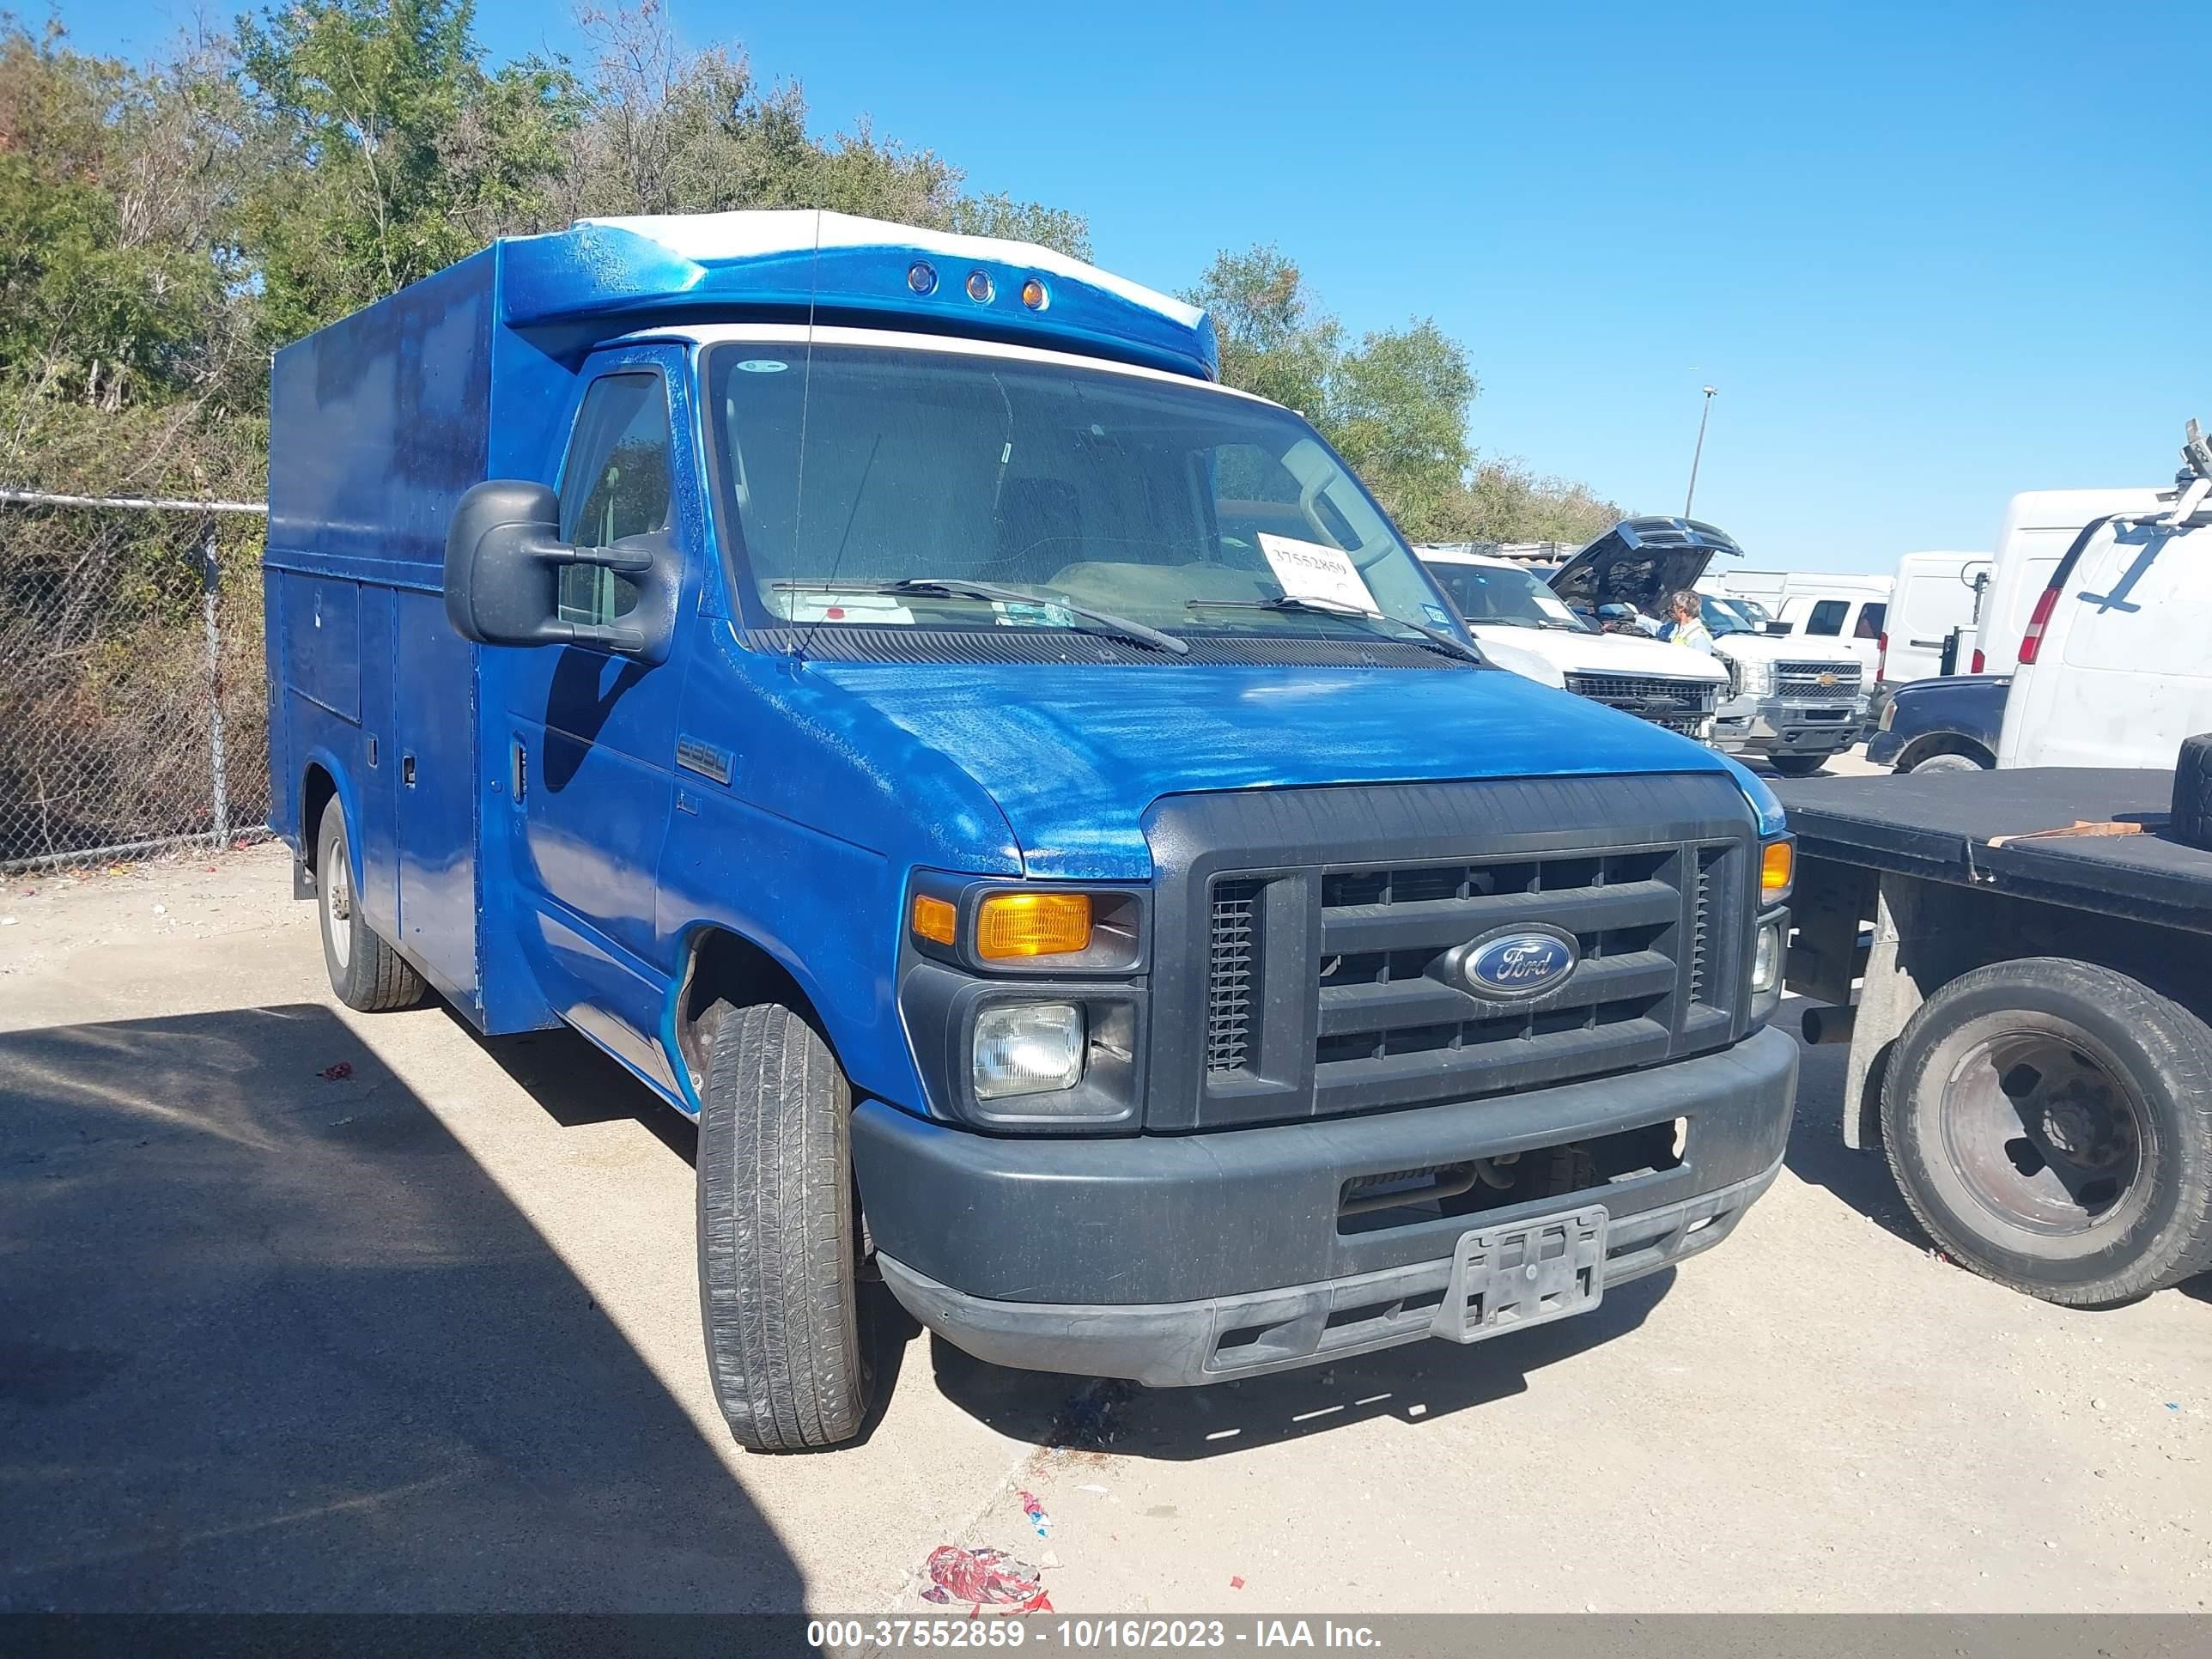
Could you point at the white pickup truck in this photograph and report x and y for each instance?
(1787, 701)
(1523, 625)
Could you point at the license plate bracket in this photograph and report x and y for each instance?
(1504, 1279)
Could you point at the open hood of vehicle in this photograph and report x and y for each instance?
(1639, 561)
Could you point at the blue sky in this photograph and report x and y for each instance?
(1931, 254)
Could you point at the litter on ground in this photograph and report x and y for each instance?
(983, 1578)
(1038, 1518)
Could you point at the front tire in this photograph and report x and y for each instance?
(2049, 1122)
(365, 973)
(1950, 761)
(1797, 766)
(779, 1235)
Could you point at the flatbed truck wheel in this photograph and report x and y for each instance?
(365, 973)
(779, 1235)
(2049, 1122)
(1797, 766)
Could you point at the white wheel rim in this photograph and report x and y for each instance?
(337, 908)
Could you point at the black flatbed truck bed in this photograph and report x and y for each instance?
(2050, 1119)
(1938, 826)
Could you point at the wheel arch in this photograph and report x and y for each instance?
(323, 778)
(1931, 744)
(721, 965)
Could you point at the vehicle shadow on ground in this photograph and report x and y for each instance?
(1816, 1153)
(579, 1085)
(271, 1339)
(1423, 1382)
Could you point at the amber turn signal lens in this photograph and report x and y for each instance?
(1032, 925)
(1777, 866)
(934, 918)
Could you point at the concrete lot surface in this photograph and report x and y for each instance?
(302, 1309)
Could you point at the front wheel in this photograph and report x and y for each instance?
(2049, 1122)
(1797, 766)
(779, 1235)
(1948, 762)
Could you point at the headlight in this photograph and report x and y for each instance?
(1753, 679)
(1028, 1048)
(1767, 959)
(1889, 715)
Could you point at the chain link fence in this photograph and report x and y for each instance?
(133, 702)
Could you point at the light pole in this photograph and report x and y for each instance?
(1699, 453)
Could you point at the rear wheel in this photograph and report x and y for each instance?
(2049, 1122)
(365, 972)
(779, 1235)
(1797, 766)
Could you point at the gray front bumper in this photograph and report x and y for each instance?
(1180, 1343)
(1136, 1256)
(1771, 727)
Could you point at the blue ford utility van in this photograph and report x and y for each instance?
(1023, 799)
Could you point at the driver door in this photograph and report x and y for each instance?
(591, 732)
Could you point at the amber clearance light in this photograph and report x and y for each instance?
(1777, 866)
(1032, 925)
(934, 919)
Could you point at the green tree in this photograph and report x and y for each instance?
(1274, 340)
(393, 152)
(107, 279)
(1394, 405)
(1397, 411)
(671, 130)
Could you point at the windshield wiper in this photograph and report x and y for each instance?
(1432, 638)
(959, 587)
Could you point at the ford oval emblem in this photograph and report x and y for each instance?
(1522, 964)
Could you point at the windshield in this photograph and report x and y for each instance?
(1090, 494)
(1731, 615)
(1503, 595)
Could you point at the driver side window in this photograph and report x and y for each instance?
(616, 484)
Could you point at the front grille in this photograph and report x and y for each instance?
(1802, 680)
(1682, 706)
(1646, 694)
(1651, 926)
(1229, 976)
(1310, 942)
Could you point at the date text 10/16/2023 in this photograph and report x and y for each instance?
(1090, 1635)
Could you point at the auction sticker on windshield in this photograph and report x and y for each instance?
(1314, 571)
(1554, 607)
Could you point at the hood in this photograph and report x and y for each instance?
(1075, 754)
(1551, 653)
(1783, 647)
(1638, 561)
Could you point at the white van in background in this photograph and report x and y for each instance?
(2113, 667)
(1764, 589)
(1849, 610)
(1932, 616)
(2038, 526)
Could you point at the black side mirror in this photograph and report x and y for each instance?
(504, 555)
(1781, 628)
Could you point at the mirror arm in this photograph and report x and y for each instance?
(622, 561)
(608, 638)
